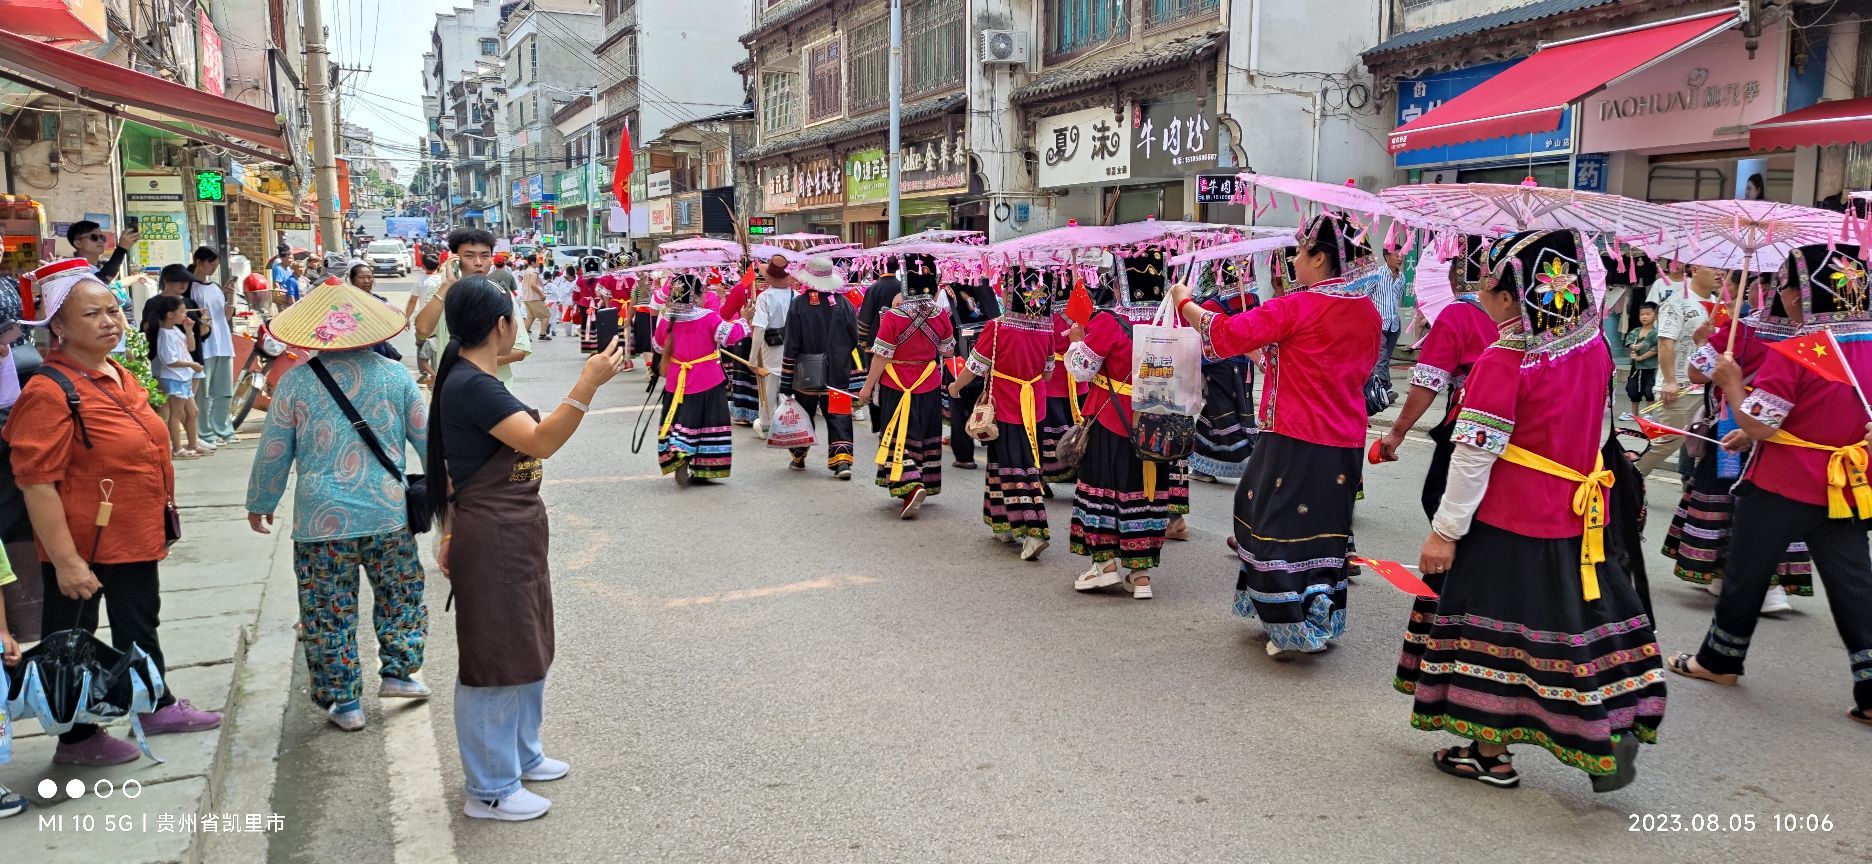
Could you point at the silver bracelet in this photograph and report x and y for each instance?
(576, 404)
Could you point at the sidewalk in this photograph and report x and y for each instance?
(218, 615)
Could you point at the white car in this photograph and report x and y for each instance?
(571, 256)
(388, 257)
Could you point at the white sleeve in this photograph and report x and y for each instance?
(1468, 482)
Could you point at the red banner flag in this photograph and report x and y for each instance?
(620, 179)
(1653, 431)
(955, 365)
(1396, 574)
(1818, 353)
(1718, 312)
(1079, 305)
(838, 402)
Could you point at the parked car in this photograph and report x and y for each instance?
(388, 257)
(570, 256)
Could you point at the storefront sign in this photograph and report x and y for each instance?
(571, 186)
(210, 187)
(213, 76)
(1708, 94)
(659, 184)
(934, 164)
(519, 192)
(536, 188)
(819, 182)
(777, 184)
(1090, 146)
(162, 218)
(1173, 137)
(867, 177)
(758, 226)
(1589, 172)
(1215, 189)
(1420, 96)
(662, 216)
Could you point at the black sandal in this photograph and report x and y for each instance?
(1468, 762)
(1625, 753)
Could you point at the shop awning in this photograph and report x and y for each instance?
(1843, 121)
(146, 99)
(1528, 97)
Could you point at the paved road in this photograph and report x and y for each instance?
(774, 669)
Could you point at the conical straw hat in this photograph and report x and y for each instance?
(337, 316)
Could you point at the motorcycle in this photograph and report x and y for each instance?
(266, 360)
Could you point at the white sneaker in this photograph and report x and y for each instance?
(1776, 601)
(521, 806)
(1031, 547)
(402, 688)
(1714, 587)
(548, 769)
(1003, 537)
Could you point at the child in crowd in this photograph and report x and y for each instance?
(164, 320)
(1641, 346)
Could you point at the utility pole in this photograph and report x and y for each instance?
(590, 230)
(895, 211)
(324, 144)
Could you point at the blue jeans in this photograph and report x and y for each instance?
(497, 731)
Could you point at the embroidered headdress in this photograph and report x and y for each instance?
(1024, 292)
(919, 275)
(1545, 270)
(1342, 238)
(1832, 282)
(1144, 278)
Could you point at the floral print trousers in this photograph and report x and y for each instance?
(328, 609)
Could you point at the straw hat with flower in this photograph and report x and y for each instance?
(337, 316)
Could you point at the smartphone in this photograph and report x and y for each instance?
(131, 223)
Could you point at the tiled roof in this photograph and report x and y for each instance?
(773, 19)
(1483, 23)
(852, 127)
(1092, 73)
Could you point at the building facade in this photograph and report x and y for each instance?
(547, 47)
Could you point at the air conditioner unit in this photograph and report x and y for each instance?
(1004, 46)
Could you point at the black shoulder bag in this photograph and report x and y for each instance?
(415, 486)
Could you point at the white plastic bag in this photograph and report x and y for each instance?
(791, 427)
(1166, 365)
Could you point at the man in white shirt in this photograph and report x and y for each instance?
(1671, 282)
(770, 314)
(217, 304)
(425, 289)
(1681, 320)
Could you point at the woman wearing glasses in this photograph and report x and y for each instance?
(89, 240)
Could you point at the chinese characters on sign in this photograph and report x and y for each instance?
(934, 164)
(1215, 189)
(213, 74)
(1589, 172)
(777, 182)
(662, 216)
(761, 225)
(1087, 146)
(1701, 95)
(1173, 137)
(1419, 96)
(867, 177)
(820, 182)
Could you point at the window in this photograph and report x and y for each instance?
(490, 47)
(934, 45)
(476, 146)
(870, 65)
(1074, 25)
(533, 55)
(1159, 12)
(778, 107)
(823, 73)
(715, 169)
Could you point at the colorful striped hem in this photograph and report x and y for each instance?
(1587, 762)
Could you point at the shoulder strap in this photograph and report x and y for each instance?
(357, 420)
(71, 400)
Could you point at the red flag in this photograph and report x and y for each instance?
(1818, 353)
(1653, 431)
(1079, 305)
(747, 278)
(854, 296)
(620, 178)
(1718, 312)
(955, 365)
(1396, 574)
(838, 402)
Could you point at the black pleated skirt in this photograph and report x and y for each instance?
(1293, 528)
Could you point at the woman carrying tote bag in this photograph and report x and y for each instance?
(1015, 353)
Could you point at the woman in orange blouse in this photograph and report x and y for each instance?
(113, 448)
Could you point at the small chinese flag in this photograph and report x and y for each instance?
(1718, 312)
(855, 296)
(1396, 574)
(955, 365)
(1079, 305)
(747, 278)
(1819, 354)
(1653, 431)
(838, 402)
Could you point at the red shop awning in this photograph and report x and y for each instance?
(1528, 97)
(1843, 121)
(144, 98)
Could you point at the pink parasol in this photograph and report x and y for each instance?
(1338, 197)
(1263, 240)
(681, 265)
(1494, 209)
(700, 244)
(937, 235)
(803, 237)
(1062, 244)
(828, 248)
(1745, 235)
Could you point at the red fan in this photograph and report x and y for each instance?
(1079, 304)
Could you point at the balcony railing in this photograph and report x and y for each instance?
(1170, 13)
(626, 18)
(1075, 26)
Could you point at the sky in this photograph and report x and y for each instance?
(389, 38)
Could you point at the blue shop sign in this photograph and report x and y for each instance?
(1419, 96)
(519, 192)
(536, 187)
(1589, 171)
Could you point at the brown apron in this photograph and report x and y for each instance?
(498, 570)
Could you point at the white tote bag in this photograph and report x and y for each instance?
(791, 426)
(1166, 365)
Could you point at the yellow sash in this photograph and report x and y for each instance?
(682, 385)
(1150, 468)
(1028, 419)
(1072, 393)
(1588, 502)
(897, 431)
(1846, 467)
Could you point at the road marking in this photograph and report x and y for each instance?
(586, 481)
(633, 599)
(624, 409)
(420, 825)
